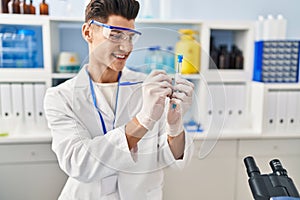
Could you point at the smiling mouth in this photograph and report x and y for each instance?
(120, 56)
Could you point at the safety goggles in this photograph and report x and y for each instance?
(118, 34)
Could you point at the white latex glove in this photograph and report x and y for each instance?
(156, 88)
(182, 98)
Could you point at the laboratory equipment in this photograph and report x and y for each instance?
(178, 66)
(31, 8)
(153, 59)
(44, 8)
(147, 11)
(276, 61)
(266, 186)
(178, 72)
(68, 62)
(24, 8)
(190, 48)
(165, 9)
(4, 8)
(19, 48)
(168, 60)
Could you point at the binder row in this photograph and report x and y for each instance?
(22, 103)
(282, 112)
(227, 103)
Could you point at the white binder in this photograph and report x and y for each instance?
(270, 111)
(39, 93)
(240, 100)
(218, 106)
(292, 111)
(230, 115)
(281, 118)
(17, 100)
(6, 105)
(28, 97)
(298, 112)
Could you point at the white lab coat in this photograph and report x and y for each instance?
(101, 166)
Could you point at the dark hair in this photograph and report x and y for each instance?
(102, 9)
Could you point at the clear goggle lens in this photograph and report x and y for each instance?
(120, 36)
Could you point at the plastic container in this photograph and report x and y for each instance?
(168, 60)
(7, 38)
(259, 28)
(269, 32)
(147, 11)
(68, 62)
(281, 27)
(19, 49)
(190, 48)
(153, 59)
(165, 9)
(27, 59)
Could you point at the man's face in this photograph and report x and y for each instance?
(104, 50)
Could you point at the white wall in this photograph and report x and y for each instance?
(214, 10)
(241, 10)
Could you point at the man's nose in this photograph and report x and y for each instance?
(126, 46)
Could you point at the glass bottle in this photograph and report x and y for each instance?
(239, 60)
(44, 10)
(4, 6)
(214, 52)
(31, 8)
(16, 7)
(24, 7)
(223, 57)
(232, 56)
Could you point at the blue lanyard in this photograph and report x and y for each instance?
(96, 106)
(117, 96)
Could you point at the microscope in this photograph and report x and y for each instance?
(274, 186)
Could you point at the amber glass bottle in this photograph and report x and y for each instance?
(44, 8)
(25, 7)
(4, 6)
(16, 7)
(31, 8)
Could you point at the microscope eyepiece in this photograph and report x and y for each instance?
(251, 166)
(277, 168)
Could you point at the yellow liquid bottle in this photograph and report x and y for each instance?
(190, 49)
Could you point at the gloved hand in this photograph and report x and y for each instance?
(182, 98)
(156, 88)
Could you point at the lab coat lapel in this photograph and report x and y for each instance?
(128, 105)
(83, 104)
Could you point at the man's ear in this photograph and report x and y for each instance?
(86, 32)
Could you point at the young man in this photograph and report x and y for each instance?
(114, 129)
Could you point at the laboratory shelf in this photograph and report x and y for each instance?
(242, 134)
(45, 137)
(24, 19)
(63, 75)
(25, 75)
(42, 137)
(66, 19)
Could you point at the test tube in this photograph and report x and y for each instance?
(178, 71)
(178, 66)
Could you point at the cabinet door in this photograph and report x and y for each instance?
(263, 151)
(29, 171)
(209, 178)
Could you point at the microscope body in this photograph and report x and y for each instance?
(266, 186)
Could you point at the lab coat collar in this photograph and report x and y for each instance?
(83, 98)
